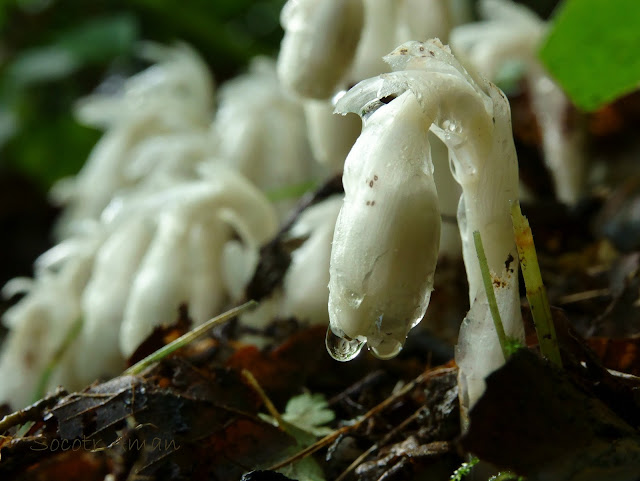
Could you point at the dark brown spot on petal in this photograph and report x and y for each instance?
(375, 177)
(508, 262)
(371, 184)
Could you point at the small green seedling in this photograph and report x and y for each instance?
(464, 470)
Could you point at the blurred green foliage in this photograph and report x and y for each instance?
(54, 52)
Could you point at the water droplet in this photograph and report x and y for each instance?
(387, 349)
(353, 299)
(451, 126)
(342, 349)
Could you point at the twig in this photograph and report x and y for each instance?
(250, 378)
(371, 378)
(377, 445)
(328, 439)
(32, 412)
(187, 338)
(583, 296)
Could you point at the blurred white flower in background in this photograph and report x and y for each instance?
(174, 96)
(510, 35)
(260, 130)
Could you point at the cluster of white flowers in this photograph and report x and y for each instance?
(156, 218)
(172, 205)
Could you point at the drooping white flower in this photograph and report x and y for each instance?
(423, 19)
(170, 98)
(151, 252)
(387, 23)
(331, 136)
(513, 33)
(39, 323)
(191, 222)
(305, 291)
(260, 129)
(472, 118)
(385, 244)
(319, 44)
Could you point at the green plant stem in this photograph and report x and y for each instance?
(185, 339)
(491, 296)
(49, 369)
(536, 293)
(293, 191)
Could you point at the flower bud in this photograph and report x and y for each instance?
(386, 240)
(320, 42)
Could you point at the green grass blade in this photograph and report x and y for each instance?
(536, 293)
(185, 339)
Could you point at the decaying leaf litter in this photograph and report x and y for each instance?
(221, 409)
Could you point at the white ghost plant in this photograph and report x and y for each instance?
(330, 136)
(386, 24)
(385, 244)
(39, 323)
(260, 129)
(174, 96)
(191, 222)
(305, 292)
(319, 44)
(513, 33)
(151, 252)
(382, 266)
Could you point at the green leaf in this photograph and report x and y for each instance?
(91, 42)
(42, 64)
(306, 469)
(309, 412)
(592, 50)
(98, 40)
(303, 419)
(464, 470)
